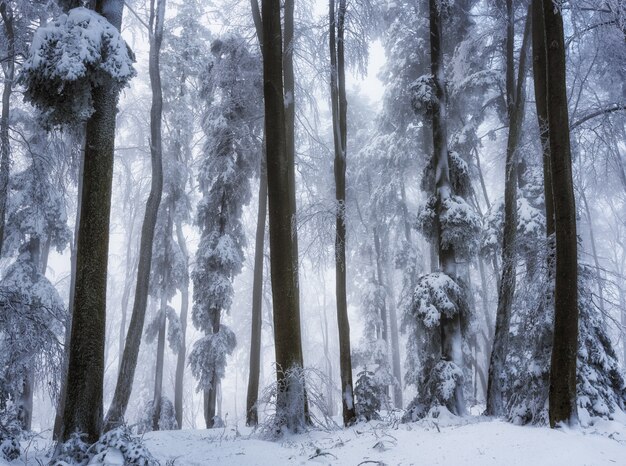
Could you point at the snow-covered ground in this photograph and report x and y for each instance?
(477, 442)
(472, 441)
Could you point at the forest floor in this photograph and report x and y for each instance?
(473, 440)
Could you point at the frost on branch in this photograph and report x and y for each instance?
(68, 59)
(459, 175)
(208, 356)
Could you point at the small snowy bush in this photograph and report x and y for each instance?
(167, 418)
(423, 96)
(68, 59)
(10, 433)
(369, 395)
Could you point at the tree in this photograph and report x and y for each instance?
(565, 344)
(290, 403)
(339, 106)
(231, 155)
(515, 108)
(126, 374)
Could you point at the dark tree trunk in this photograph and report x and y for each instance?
(252, 416)
(516, 97)
(288, 343)
(124, 385)
(339, 115)
(540, 66)
(562, 394)
(210, 394)
(83, 404)
(8, 67)
(184, 310)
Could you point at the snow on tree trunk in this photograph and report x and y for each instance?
(5, 146)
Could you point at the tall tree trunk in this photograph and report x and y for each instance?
(83, 404)
(451, 335)
(562, 393)
(252, 416)
(184, 310)
(339, 115)
(290, 404)
(540, 66)
(210, 394)
(126, 374)
(8, 67)
(516, 97)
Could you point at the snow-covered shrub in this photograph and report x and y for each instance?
(459, 175)
(435, 294)
(68, 59)
(119, 442)
(438, 390)
(10, 432)
(167, 417)
(208, 356)
(368, 396)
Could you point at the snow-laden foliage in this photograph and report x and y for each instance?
(368, 396)
(69, 58)
(423, 97)
(174, 329)
(231, 155)
(436, 294)
(10, 432)
(459, 223)
(32, 317)
(208, 356)
(167, 416)
(459, 175)
(601, 387)
(116, 445)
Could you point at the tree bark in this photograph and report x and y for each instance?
(287, 335)
(339, 115)
(517, 97)
(5, 145)
(83, 405)
(184, 310)
(252, 416)
(124, 385)
(562, 393)
(158, 373)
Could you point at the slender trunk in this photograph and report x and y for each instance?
(126, 293)
(562, 394)
(126, 374)
(290, 403)
(184, 310)
(339, 107)
(5, 144)
(594, 251)
(395, 347)
(83, 404)
(158, 373)
(210, 394)
(252, 417)
(517, 96)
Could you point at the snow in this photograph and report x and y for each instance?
(448, 441)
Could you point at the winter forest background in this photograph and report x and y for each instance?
(286, 218)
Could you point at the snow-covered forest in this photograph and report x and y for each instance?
(304, 231)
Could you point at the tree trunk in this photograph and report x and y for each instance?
(562, 395)
(5, 144)
(594, 251)
(540, 66)
(252, 416)
(516, 97)
(184, 310)
(83, 404)
(451, 336)
(339, 112)
(124, 385)
(158, 374)
(290, 404)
